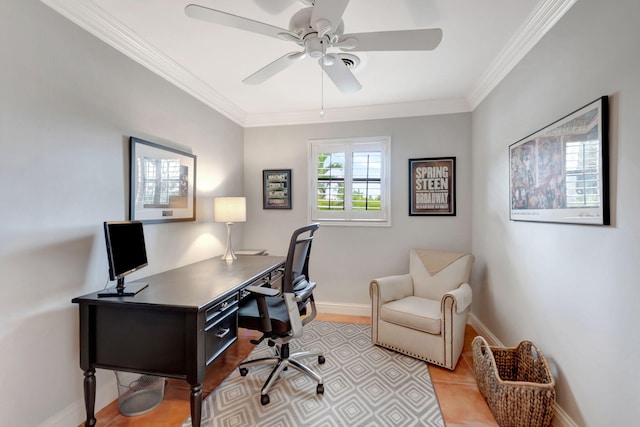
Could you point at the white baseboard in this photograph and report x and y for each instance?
(561, 418)
(340, 308)
(482, 329)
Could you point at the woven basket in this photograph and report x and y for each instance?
(516, 383)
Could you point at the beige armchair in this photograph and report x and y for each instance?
(423, 313)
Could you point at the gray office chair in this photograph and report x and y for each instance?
(279, 314)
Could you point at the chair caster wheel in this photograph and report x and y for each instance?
(264, 399)
(243, 372)
(320, 389)
(321, 360)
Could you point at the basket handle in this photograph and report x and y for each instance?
(481, 344)
(534, 353)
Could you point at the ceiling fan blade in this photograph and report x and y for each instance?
(327, 15)
(426, 39)
(341, 75)
(234, 21)
(274, 68)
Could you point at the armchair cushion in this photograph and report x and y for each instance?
(414, 312)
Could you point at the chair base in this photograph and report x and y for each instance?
(282, 361)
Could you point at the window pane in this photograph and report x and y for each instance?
(330, 183)
(366, 187)
(367, 165)
(366, 196)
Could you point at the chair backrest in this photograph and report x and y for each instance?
(435, 273)
(296, 267)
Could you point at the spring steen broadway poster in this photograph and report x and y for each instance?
(432, 186)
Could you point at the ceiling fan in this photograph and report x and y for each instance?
(317, 28)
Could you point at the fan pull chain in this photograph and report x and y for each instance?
(322, 82)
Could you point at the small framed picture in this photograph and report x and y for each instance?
(276, 189)
(432, 186)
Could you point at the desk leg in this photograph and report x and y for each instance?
(90, 397)
(196, 404)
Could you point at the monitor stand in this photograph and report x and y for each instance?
(120, 290)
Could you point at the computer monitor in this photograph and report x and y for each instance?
(126, 252)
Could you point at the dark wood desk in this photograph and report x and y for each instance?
(174, 328)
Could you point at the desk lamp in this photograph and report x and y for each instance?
(229, 210)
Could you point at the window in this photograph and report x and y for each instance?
(349, 181)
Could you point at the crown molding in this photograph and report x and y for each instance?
(369, 112)
(546, 14)
(103, 25)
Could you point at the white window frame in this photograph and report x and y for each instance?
(348, 216)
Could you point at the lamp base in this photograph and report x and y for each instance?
(228, 252)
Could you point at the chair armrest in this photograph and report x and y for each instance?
(263, 291)
(302, 294)
(391, 288)
(260, 293)
(462, 297)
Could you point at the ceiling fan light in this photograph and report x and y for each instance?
(314, 47)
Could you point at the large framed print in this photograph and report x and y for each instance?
(276, 189)
(561, 172)
(432, 186)
(162, 183)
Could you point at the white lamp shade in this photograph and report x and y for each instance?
(229, 209)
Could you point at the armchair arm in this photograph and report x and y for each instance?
(391, 288)
(462, 297)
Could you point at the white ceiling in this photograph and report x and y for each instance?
(482, 41)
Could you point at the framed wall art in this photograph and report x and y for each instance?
(432, 186)
(276, 188)
(162, 183)
(561, 172)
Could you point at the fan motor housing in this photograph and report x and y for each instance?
(300, 24)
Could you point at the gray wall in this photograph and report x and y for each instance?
(573, 289)
(345, 259)
(68, 103)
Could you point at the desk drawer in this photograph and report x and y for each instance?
(221, 327)
(221, 333)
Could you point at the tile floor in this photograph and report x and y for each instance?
(461, 402)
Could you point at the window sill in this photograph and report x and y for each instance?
(352, 223)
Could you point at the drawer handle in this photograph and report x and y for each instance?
(223, 333)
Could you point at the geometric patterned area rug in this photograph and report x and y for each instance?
(364, 386)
